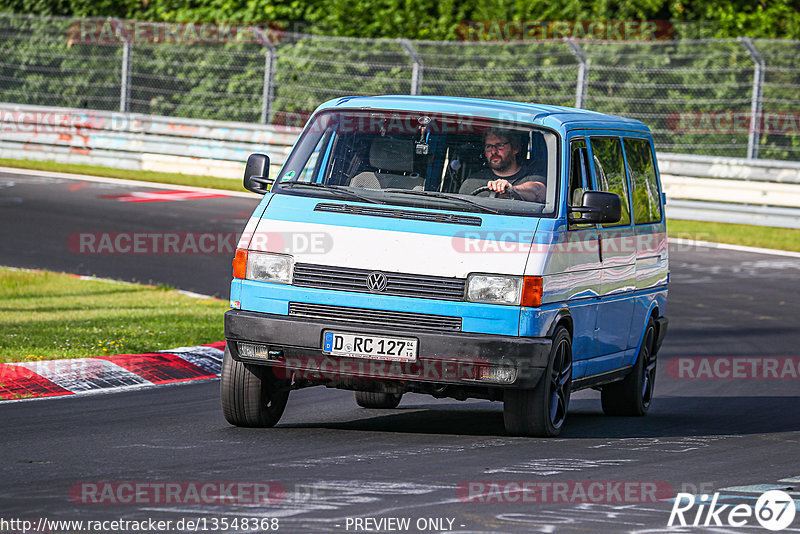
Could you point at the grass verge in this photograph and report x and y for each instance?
(46, 316)
(108, 172)
(736, 234)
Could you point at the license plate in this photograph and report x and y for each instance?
(371, 347)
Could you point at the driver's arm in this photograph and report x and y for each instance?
(530, 191)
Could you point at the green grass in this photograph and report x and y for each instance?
(108, 172)
(737, 234)
(46, 315)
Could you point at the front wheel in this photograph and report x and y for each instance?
(251, 395)
(632, 396)
(541, 411)
(381, 401)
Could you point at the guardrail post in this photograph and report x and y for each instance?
(125, 78)
(756, 99)
(583, 69)
(416, 69)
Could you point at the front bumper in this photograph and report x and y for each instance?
(445, 358)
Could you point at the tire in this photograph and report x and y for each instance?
(541, 411)
(251, 395)
(381, 401)
(633, 395)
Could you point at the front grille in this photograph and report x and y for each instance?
(398, 284)
(364, 316)
(391, 213)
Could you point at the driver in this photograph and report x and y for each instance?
(505, 173)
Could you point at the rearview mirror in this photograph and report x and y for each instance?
(256, 174)
(597, 207)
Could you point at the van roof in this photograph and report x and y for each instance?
(559, 117)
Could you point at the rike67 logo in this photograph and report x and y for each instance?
(774, 510)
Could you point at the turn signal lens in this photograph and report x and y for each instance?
(532, 291)
(240, 263)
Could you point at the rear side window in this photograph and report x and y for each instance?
(646, 201)
(609, 166)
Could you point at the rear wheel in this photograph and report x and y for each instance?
(632, 396)
(541, 411)
(251, 395)
(370, 399)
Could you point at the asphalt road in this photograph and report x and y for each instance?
(331, 463)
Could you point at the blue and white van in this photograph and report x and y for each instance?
(455, 247)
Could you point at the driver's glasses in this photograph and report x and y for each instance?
(499, 147)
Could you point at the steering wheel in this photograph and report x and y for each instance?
(509, 191)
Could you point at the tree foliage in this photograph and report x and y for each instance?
(440, 19)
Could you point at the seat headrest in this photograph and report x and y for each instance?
(394, 155)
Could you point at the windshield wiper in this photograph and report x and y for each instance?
(336, 188)
(444, 196)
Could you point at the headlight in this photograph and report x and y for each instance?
(494, 289)
(270, 267)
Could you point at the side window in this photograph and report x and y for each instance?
(578, 171)
(646, 201)
(609, 167)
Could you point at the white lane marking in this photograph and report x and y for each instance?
(555, 466)
(119, 181)
(194, 295)
(94, 278)
(746, 268)
(559, 517)
(391, 454)
(738, 248)
(678, 445)
(321, 496)
(84, 374)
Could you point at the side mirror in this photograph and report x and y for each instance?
(597, 207)
(256, 174)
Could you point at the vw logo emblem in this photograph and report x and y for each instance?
(377, 281)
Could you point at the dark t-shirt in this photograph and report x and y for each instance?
(525, 174)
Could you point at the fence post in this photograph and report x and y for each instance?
(269, 74)
(125, 78)
(270, 53)
(416, 69)
(583, 68)
(756, 99)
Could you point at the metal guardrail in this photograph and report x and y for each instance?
(705, 188)
(732, 190)
(138, 142)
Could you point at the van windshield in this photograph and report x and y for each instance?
(425, 159)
